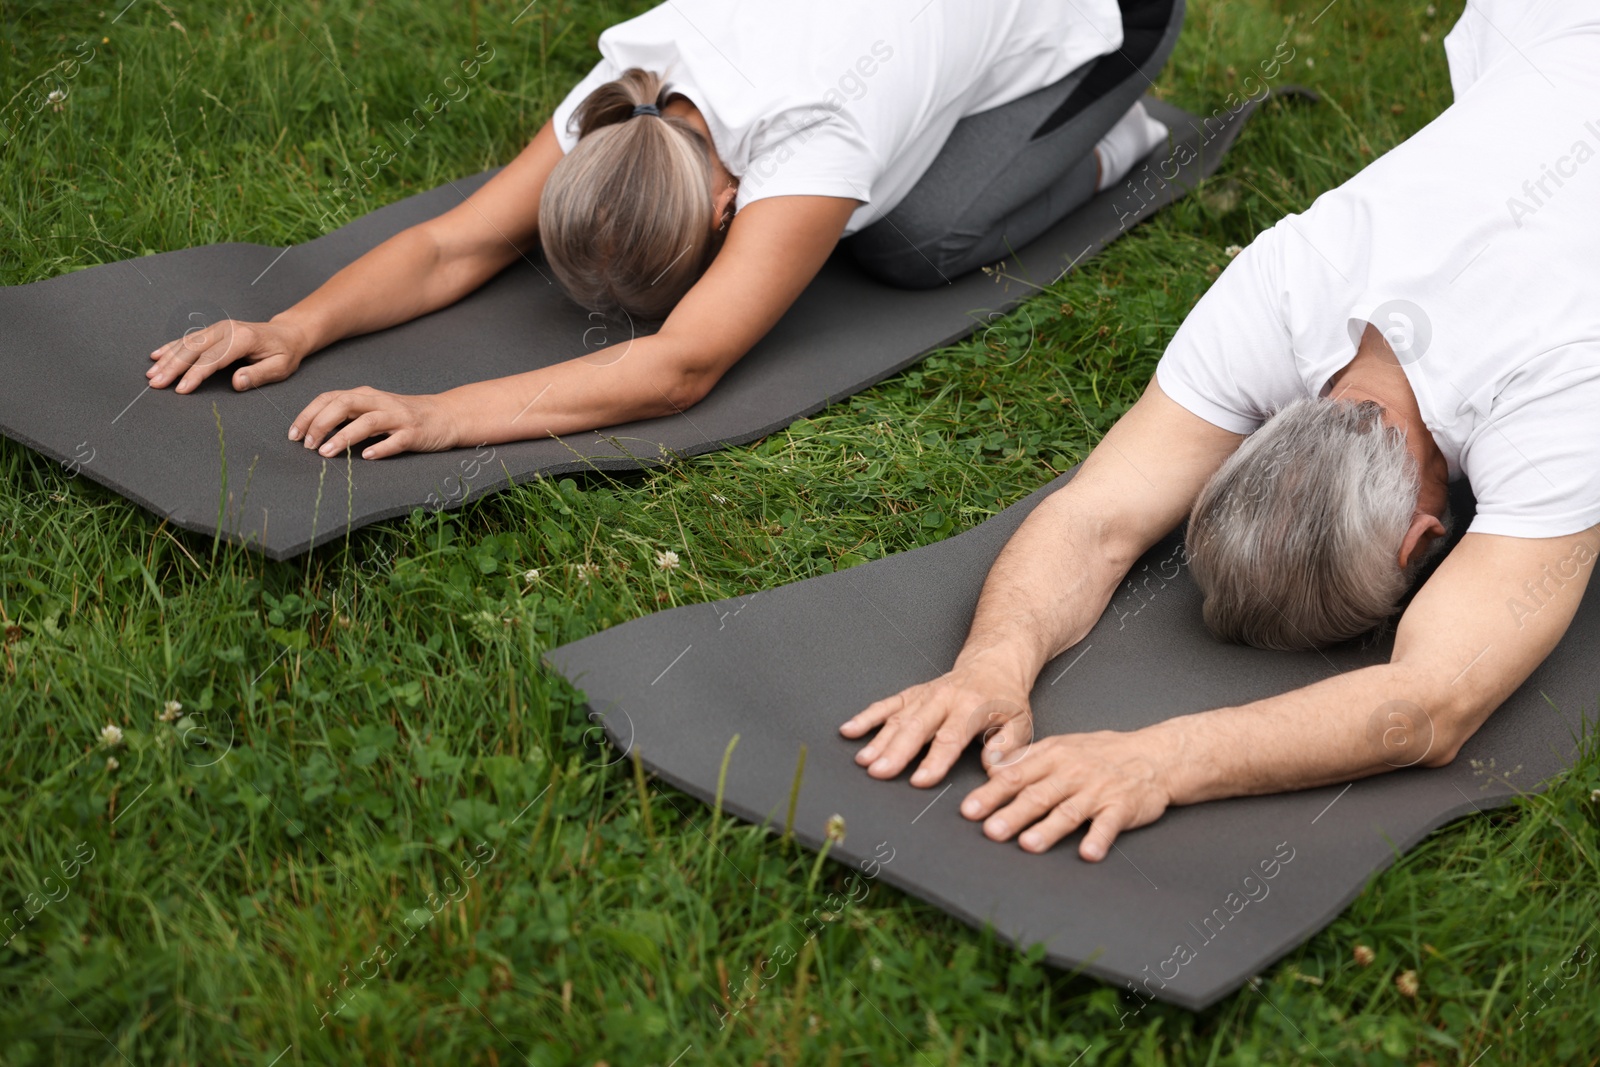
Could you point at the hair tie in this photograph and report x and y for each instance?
(646, 109)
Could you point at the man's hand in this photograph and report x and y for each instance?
(950, 711)
(273, 350)
(1113, 781)
(412, 423)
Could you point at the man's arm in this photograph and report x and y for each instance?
(1471, 635)
(1048, 587)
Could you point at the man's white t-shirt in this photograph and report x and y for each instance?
(1475, 248)
(844, 98)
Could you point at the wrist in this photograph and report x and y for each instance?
(1008, 665)
(302, 336)
(1186, 769)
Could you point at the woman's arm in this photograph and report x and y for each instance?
(773, 250)
(421, 269)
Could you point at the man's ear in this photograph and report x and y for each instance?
(1424, 528)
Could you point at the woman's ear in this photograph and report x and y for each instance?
(723, 211)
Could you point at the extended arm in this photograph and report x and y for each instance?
(1471, 635)
(1047, 588)
(421, 269)
(773, 250)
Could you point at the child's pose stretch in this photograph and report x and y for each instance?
(701, 175)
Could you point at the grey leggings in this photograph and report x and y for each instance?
(1006, 175)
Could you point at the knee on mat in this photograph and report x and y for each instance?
(905, 267)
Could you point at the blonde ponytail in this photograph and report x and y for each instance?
(626, 216)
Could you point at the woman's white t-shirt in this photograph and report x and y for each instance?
(845, 98)
(1475, 248)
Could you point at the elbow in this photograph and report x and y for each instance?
(686, 386)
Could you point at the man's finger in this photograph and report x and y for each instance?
(1027, 808)
(873, 715)
(949, 741)
(1061, 821)
(1008, 737)
(1108, 823)
(911, 729)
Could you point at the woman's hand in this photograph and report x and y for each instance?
(971, 700)
(1114, 781)
(412, 423)
(273, 351)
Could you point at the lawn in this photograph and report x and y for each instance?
(378, 831)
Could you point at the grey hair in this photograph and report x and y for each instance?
(625, 218)
(1295, 540)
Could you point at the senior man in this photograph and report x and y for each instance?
(1435, 317)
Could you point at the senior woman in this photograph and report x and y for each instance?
(702, 174)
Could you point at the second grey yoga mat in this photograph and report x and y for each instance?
(1182, 909)
(74, 349)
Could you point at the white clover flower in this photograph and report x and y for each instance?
(170, 711)
(111, 735)
(667, 561)
(587, 571)
(531, 575)
(55, 98)
(111, 763)
(1233, 250)
(834, 829)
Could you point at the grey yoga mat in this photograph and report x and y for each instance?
(73, 351)
(1183, 910)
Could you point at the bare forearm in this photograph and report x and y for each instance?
(1045, 591)
(645, 378)
(1353, 725)
(395, 282)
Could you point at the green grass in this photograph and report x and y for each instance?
(375, 712)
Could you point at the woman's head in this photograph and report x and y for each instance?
(628, 218)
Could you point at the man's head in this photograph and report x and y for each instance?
(1310, 533)
(634, 214)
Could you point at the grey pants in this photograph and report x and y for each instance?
(1006, 175)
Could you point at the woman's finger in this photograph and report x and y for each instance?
(214, 348)
(357, 430)
(274, 368)
(341, 408)
(297, 428)
(397, 442)
(176, 357)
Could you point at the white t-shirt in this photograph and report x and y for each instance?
(845, 98)
(1475, 248)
